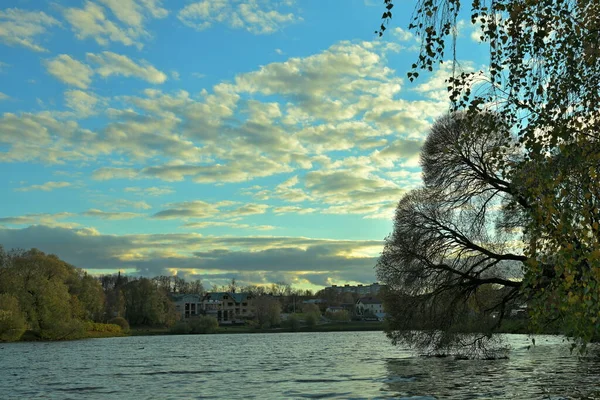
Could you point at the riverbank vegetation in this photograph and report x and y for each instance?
(509, 212)
(44, 298)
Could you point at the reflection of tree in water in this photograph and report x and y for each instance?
(544, 371)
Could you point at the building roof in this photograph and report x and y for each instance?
(183, 297)
(219, 296)
(312, 301)
(369, 300)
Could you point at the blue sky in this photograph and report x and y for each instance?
(262, 140)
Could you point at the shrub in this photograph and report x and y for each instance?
(63, 330)
(311, 319)
(98, 327)
(293, 322)
(122, 322)
(181, 328)
(338, 315)
(204, 324)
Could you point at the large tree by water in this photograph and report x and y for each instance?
(45, 295)
(542, 83)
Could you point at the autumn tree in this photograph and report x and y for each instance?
(12, 321)
(52, 296)
(542, 79)
(267, 311)
(147, 305)
(454, 238)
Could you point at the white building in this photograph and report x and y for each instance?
(370, 306)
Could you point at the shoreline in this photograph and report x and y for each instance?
(236, 329)
(515, 327)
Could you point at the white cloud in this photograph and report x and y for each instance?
(299, 117)
(149, 191)
(70, 71)
(83, 104)
(4, 96)
(293, 210)
(46, 187)
(109, 64)
(124, 203)
(404, 35)
(255, 16)
(233, 225)
(263, 257)
(133, 13)
(21, 27)
(92, 21)
(189, 209)
(106, 173)
(46, 219)
(110, 215)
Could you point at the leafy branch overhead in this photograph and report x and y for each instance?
(541, 85)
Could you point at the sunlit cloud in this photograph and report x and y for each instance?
(255, 16)
(46, 187)
(24, 28)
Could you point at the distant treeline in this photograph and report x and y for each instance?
(47, 298)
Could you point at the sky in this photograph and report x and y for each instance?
(266, 141)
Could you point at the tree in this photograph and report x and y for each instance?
(267, 311)
(452, 238)
(341, 316)
(147, 305)
(204, 324)
(12, 321)
(293, 322)
(542, 80)
(40, 283)
(311, 319)
(88, 295)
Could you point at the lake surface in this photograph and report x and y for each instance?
(343, 365)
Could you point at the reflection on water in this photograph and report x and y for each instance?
(344, 365)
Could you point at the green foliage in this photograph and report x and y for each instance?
(542, 82)
(88, 296)
(12, 321)
(46, 289)
(147, 305)
(100, 327)
(181, 328)
(121, 322)
(311, 319)
(338, 316)
(293, 322)
(311, 308)
(203, 324)
(267, 311)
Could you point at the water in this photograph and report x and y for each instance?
(343, 365)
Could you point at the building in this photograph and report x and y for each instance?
(370, 306)
(187, 305)
(362, 290)
(228, 307)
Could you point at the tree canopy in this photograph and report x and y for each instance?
(536, 107)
